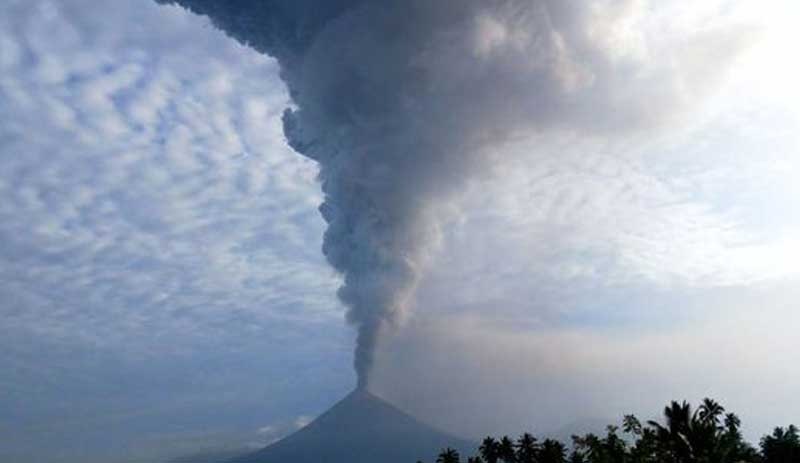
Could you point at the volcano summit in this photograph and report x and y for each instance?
(361, 428)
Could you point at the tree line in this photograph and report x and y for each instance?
(705, 435)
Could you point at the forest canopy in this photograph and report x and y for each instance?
(706, 434)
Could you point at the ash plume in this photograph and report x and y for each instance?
(401, 102)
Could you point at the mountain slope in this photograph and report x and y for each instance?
(361, 428)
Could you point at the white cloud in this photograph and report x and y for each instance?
(146, 185)
(302, 421)
(157, 236)
(276, 431)
(555, 231)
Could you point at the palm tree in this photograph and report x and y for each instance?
(783, 446)
(632, 425)
(585, 447)
(448, 455)
(713, 441)
(506, 450)
(732, 442)
(732, 422)
(614, 447)
(490, 450)
(710, 411)
(552, 451)
(594, 449)
(647, 449)
(674, 437)
(709, 435)
(702, 436)
(527, 449)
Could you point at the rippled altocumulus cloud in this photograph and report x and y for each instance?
(145, 180)
(159, 242)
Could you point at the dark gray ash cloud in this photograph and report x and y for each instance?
(402, 102)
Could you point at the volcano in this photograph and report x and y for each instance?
(361, 428)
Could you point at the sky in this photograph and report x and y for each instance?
(163, 292)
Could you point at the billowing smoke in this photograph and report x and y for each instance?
(401, 102)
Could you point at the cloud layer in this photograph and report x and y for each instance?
(157, 237)
(161, 287)
(132, 182)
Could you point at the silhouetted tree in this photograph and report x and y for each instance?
(527, 449)
(506, 450)
(699, 437)
(552, 451)
(645, 448)
(490, 450)
(448, 455)
(710, 411)
(732, 437)
(673, 436)
(782, 446)
(707, 435)
(632, 425)
(594, 449)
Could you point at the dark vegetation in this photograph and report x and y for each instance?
(705, 435)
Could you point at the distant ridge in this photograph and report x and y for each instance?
(361, 428)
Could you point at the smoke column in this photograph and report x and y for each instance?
(401, 102)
